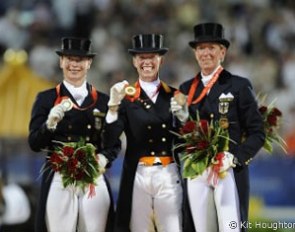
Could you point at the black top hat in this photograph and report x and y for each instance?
(73, 46)
(209, 32)
(147, 43)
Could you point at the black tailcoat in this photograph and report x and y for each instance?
(72, 127)
(244, 118)
(147, 127)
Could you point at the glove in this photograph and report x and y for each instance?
(56, 114)
(117, 93)
(227, 161)
(102, 162)
(180, 111)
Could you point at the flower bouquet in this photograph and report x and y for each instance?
(203, 144)
(77, 164)
(272, 117)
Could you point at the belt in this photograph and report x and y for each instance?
(155, 160)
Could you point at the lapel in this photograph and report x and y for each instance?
(88, 100)
(159, 109)
(206, 106)
(219, 87)
(65, 92)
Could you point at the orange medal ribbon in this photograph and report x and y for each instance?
(60, 98)
(138, 90)
(205, 90)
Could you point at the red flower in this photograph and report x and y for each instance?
(202, 145)
(188, 127)
(275, 111)
(204, 126)
(262, 109)
(72, 164)
(55, 161)
(272, 120)
(68, 151)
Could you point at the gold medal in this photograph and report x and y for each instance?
(223, 122)
(130, 90)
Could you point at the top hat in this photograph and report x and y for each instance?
(147, 43)
(73, 46)
(209, 32)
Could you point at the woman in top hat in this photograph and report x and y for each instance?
(150, 195)
(81, 116)
(220, 95)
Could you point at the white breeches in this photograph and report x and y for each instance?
(157, 199)
(69, 209)
(214, 208)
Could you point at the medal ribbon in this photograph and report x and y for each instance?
(205, 90)
(138, 90)
(60, 98)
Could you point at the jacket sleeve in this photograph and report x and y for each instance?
(111, 137)
(39, 136)
(251, 124)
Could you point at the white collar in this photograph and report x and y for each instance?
(206, 78)
(149, 86)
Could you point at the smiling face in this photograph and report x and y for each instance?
(75, 68)
(147, 65)
(209, 56)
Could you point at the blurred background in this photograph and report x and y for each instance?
(262, 35)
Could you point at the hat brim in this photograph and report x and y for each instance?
(224, 42)
(75, 53)
(161, 51)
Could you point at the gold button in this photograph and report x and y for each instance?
(163, 139)
(149, 127)
(70, 126)
(163, 152)
(69, 138)
(163, 125)
(89, 126)
(153, 153)
(150, 140)
(87, 138)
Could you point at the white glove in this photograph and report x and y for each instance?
(117, 93)
(102, 162)
(58, 112)
(227, 161)
(180, 111)
(55, 116)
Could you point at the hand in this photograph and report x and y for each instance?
(180, 111)
(117, 93)
(56, 114)
(102, 162)
(227, 161)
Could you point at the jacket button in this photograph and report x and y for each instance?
(153, 153)
(163, 139)
(163, 125)
(89, 126)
